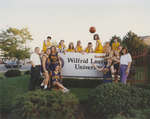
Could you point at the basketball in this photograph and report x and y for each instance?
(92, 29)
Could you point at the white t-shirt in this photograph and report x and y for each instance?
(35, 58)
(125, 59)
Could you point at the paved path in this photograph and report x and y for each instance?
(23, 68)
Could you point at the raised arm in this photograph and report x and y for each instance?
(128, 69)
(129, 64)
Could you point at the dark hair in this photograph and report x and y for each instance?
(124, 48)
(96, 35)
(89, 43)
(70, 45)
(49, 37)
(61, 41)
(55, 49)
(78, 42)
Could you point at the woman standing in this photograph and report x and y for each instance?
(45, 68)
(54, 58)
(125, 64)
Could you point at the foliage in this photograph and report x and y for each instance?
(115, 37)
(133, 42)
(13, 43)
(111, 99)
(135, 114)
(46, 104)
(12, 73)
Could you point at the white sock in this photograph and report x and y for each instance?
(42, 84)
(45, 87)
(66, 90)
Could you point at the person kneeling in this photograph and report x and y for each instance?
(56, 79)
(107, 69)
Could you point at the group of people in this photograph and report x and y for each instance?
(49, 65)
(61, 47)
(117, 61)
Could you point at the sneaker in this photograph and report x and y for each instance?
(45, 87)
(113, 77)
(66, 90)
(42, 84)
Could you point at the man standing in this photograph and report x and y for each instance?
(35, 68)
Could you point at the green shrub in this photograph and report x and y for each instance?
(111, 99)
(135, 114)
(13, 73)
(46, 105)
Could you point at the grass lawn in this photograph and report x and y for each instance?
(81, 93)
(19, 85)
(9, 89)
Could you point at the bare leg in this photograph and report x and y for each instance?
(63, 89)
(46, 78)
(59, 85)
(45, 81)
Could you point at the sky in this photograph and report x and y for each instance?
(70, 20)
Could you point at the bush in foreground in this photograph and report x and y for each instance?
(46, 104)
(135, 114)
(13, 73)
(111, 99)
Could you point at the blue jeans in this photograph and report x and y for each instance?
(123, 75)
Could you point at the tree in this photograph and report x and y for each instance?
(115, 37)
(133, 42)
(13, 43)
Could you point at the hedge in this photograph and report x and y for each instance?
(46, 105)
(13, 73)
(111, 98)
